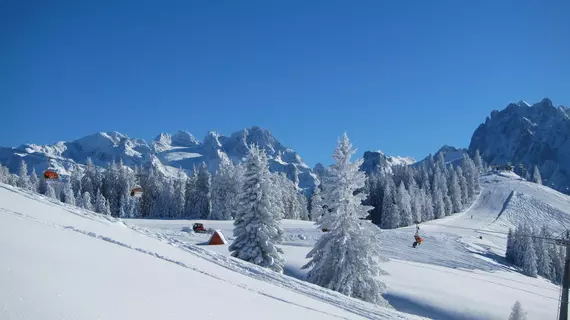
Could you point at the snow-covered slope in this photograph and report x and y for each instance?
(529, 135)
(453, 275)
(61, 262)
(166, 153)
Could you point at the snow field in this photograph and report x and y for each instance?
(61, 262)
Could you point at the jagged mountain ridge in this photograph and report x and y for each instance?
(166, 152)
(528, 135)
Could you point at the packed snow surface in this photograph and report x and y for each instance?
(62, 262)
(453, 274)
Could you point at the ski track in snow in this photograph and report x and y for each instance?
(452, 248)
(452, 242)
(356, 307)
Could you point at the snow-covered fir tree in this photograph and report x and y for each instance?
(225, 190)
(303, 206)
(257, 230)
(455, 191)
(346, 259)
(100, 203)
(67, 193)
(34, 181)
(316, 206)
(517, 312)
(86, 201)
(462, 186)
(50, 192)
(179, 196)
(23, 178)
(543, 259)
(390, 210)
(202, 200)
(190, 195)
(403, 201)
(478, 162)
(79, 200)
(536, 177)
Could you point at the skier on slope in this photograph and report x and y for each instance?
(417, 237)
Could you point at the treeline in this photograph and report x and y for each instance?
(431, 190)
(533, 251)
(200, 195)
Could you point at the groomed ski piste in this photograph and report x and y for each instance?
(63, 262)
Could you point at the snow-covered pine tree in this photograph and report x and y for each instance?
(455, 191)
(543, 260)
(190, 195)
(86, 201)
(316, 204)
(178, 199)
(517, 312)
(34, 181)
(67, 194)
(303, 206)
(50, 192)
(403, 201)
(23, 179)
(471, 176)
(536, 177)
(440, 183)
(462, 186)
(107, 210)
(110, 187)
(478, 162)
(415, 200)
(100, 202)
(527, 253)
(346, 259)
(203, 201)
(91, 180)
(79, 200)
(438, 203)
(390, 209)
(256, 226)
(427, 206)
(75, 179)
(42, 185)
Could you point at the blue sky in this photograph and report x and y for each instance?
(405, 77)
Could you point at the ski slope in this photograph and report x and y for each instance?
(454, 274)
(62, 262)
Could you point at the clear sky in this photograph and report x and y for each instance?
(405, 77)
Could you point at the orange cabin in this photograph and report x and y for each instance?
(51, 175)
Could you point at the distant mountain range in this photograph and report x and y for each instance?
(166, 153)
(520, 134)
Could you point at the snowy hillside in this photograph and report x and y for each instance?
(536, 135)
(453, 274)
(166, 153)
(61, 262)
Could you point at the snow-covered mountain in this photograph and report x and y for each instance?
(528, 135)
(166, 153)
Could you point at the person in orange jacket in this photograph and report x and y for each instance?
(417, 237)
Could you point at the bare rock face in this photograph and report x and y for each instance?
(528, 135)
